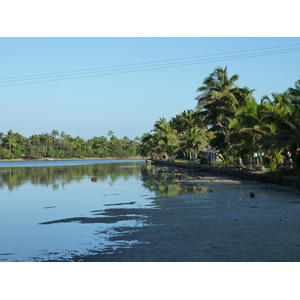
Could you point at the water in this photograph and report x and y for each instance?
(33, 195)
(55, 210)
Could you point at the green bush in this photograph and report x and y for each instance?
(5, 154)
(272, 165)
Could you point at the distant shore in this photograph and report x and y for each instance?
(75, 158)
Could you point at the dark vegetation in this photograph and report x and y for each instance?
(227, 120)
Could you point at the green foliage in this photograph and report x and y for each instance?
(36, 152)
(183, 136)
(55, 145)
(228, 119)
(5, 154)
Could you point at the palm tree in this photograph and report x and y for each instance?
(46, 139)
(193, 140)
(284, 115)
(99, 145)
(35, 139)
(111, 135)
(1, 137)
(11, 139)
(54, 134)
(246, 132)
(243, 95)
(295, 92)
(63, 135)
(186, 120)
(167, 137)
(218, 99)
(149, 143)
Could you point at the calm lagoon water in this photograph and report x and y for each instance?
(37, 192)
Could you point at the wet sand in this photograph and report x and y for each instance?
(223, 225)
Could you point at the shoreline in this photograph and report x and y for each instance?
(235, 172)
(86, 158)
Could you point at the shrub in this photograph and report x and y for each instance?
(5, 154)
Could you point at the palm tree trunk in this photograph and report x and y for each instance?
(251, 161)
(223, 131)
(263, 169)
(241, 164)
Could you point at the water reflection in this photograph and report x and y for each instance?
(59, 176)
(168, 182)
(56, 211)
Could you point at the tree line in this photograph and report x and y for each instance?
(61, 145)
(228, 119)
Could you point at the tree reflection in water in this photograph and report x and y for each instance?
(59, 176)
(79, 215)
(168, 182)
(165, 182)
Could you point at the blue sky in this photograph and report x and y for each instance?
(126, 103)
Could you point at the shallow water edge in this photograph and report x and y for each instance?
(290, 181)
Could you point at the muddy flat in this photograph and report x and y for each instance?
(234, 221)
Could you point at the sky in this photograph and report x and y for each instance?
(128, 101)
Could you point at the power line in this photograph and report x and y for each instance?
(147, 66)
(152, 62)
(144, 67)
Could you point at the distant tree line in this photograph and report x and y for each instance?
(228, 119)
(61, 145)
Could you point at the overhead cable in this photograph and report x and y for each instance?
(147, 66)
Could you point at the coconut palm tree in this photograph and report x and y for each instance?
(192, 141)
(166, 136)
(295, 92)
(186, 120)
(218, 99)
(11, 140)
(284, 114)
(46, 139)
(54, 134)
(149, 143)
(247, 132)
